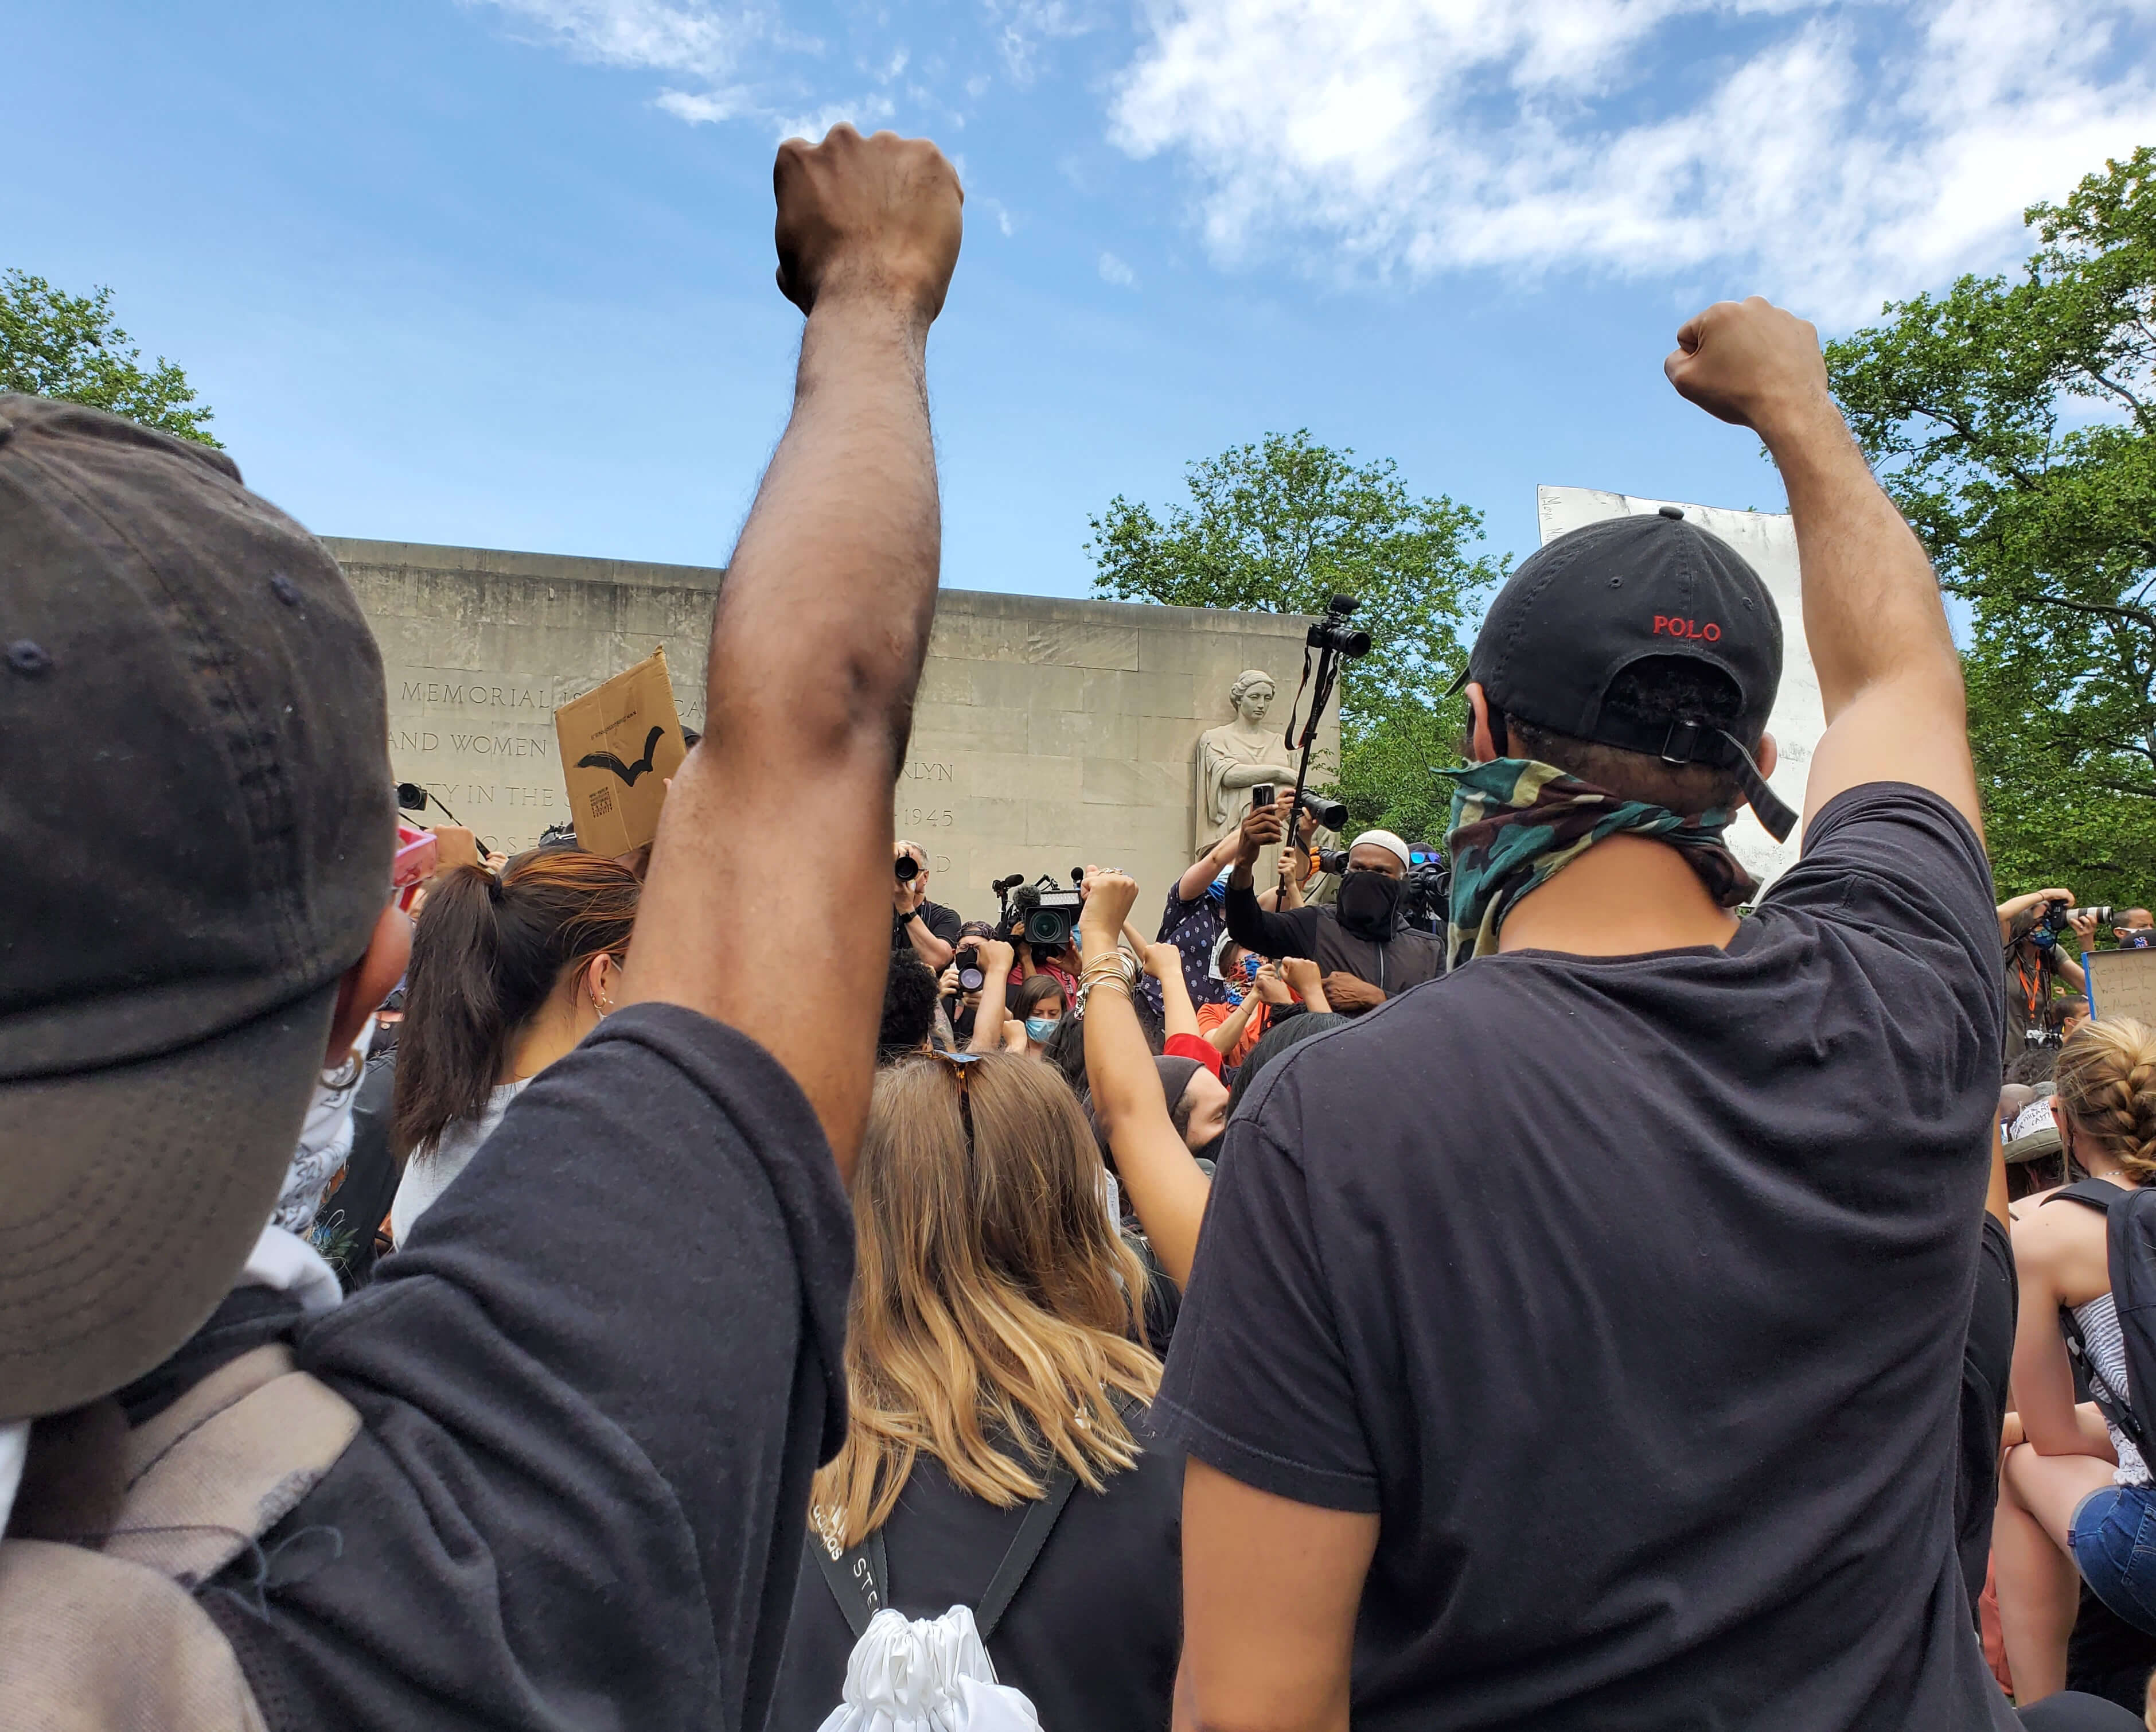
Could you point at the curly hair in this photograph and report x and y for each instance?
(2106, 1082)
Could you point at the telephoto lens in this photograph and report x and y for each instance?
(907, 867)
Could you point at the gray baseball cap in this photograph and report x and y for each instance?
(196, 825)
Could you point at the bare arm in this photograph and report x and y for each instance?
(993, 1012)
(1271, 1589)
(1301, 973)
(2015, 907)
(929, 948)
(1166, 1186)
(1995, 1199)
(1198, 875)
(1888, 673)
(2043, 1378)
(1164, 963)
(1225, 1035)
(818, 642)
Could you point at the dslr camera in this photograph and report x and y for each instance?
(1330, 813)
(2051, 920)
(1043, 914)
(1335, 632)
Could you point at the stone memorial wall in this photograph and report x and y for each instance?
(1048, 733)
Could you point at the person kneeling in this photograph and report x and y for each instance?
(2075, 1492)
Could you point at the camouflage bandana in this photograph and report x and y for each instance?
(1515, 824)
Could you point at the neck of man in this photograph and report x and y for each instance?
(1625, 896)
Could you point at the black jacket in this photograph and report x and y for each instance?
(1408, 959)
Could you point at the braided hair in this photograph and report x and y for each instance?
(2107, 1081)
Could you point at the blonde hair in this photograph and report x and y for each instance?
(2107, 1081)
(994, 1301)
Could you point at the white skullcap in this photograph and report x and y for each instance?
(1391, 844)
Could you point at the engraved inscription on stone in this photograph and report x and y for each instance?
(1047, 733)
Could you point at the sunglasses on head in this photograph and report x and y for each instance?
(960, 1067)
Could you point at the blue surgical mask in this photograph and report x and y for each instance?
(1039, 1028)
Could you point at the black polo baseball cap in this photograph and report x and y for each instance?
(196, 825)
(1579, 611)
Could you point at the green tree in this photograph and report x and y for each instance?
(2014, 420)
(55, 344)
(1281, 527)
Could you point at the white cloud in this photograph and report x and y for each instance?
(691, 37)
(1830, 154)
(1114, 270)
(698, 110)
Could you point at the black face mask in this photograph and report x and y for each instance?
(1209, 1151)
(1368, 904)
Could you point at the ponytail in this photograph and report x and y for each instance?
(2107, 1081)
(487, 954)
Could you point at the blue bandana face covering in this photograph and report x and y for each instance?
(1516, 824)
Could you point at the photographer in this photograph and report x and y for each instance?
(2029, 927)
(1192, 921)
(1361, 944)
(930, 927)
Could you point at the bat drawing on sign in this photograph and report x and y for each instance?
(627, 772)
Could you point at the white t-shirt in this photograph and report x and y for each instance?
(430, 1171)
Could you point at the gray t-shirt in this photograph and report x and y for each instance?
(429, 1172)
(1630, 1294)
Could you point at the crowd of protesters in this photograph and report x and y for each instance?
(662, 1292)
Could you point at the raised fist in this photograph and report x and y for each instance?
(871, 217)
(1748, 361)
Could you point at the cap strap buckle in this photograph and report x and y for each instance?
(1684, 750)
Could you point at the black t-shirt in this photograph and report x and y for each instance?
(1094, 1634)
(1631, 1292)
(595, 1384)
(942, 921)
(1986, 1359)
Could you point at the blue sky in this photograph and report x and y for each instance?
(499, 273)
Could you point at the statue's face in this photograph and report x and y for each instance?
(1256, 702)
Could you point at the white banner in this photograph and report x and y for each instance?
(1769, 542)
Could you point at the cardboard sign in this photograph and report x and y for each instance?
(2123, 982)
(619, 744)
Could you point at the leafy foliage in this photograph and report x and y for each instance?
(2014, 423)
(1283, 526)
(68, 346)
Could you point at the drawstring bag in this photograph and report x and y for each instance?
(927, 1675)
(932, 1674)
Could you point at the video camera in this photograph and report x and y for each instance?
(1428, 893)
(1043, 914)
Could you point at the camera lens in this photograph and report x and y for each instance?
(970, 979)
(907, 867)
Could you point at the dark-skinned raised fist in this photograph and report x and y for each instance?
(877, 219)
